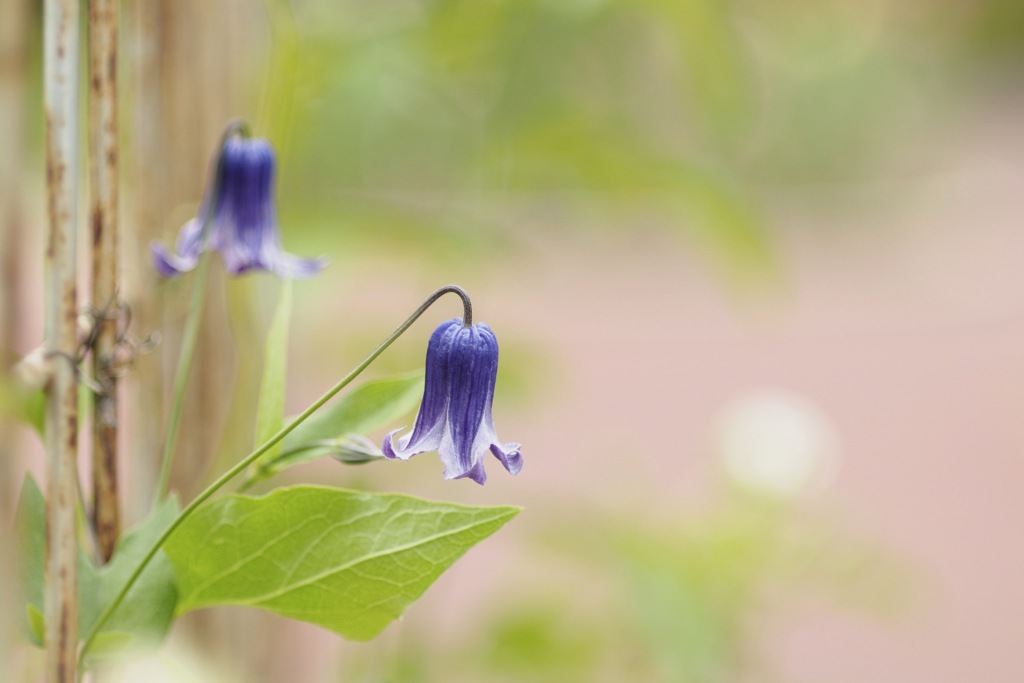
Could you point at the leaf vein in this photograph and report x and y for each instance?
(284, 590)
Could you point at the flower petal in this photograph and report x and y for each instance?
(246, 208)
(476, 473)
(387, 447)
(296, 268)
(428, 430)
(430, 421)
(168, 264)
(188, 248)
(449, 457)
(190, 239)
(454, 466)
(509, 456)
(473, 368)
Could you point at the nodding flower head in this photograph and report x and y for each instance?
(455, 414)
(238, 217)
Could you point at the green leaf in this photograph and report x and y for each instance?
(37, 625)
(30, 523)
(270, 412)
(34, 411)
(348, 561)
(370, 406)
(26, 405)
(146, 613)
(110, 644)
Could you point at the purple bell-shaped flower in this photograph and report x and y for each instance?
(239, 216)
(455, 414)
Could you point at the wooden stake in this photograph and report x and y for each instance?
(103, 184)
(60, 99)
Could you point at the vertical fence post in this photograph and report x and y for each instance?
(14, 27)
(60, 99)
(103, 211)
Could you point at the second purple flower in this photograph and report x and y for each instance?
(240, 217)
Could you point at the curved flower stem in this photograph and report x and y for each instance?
(182, 372)
(263, 448)
(467, 305)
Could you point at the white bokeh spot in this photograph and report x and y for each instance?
(777, 442)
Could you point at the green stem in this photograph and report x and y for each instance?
(85, 529)
(261, 471)
(234, 128)
(255, 455)
(182, 372)
(278, 97)
(265, 470)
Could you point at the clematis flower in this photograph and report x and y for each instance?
(240, 216)
(455, 414)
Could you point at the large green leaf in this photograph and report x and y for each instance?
(142, 619)
(270, 411)
(348, 561)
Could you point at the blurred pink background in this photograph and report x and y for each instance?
(903, 321)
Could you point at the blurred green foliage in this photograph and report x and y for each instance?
(445, 126)
(439, 119)
(657, 601)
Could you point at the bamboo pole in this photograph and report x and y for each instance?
(103, 184)
(14, 27)
(60, 88)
